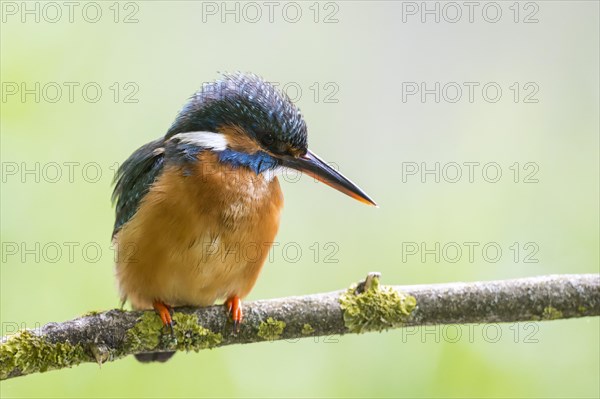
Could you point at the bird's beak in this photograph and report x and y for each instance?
(315, 167)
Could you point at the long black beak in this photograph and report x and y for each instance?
(315, 167)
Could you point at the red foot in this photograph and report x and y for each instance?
(164, 311)
(234, 305)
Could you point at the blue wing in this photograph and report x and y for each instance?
(134, 179)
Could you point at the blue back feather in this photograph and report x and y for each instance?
(134, 179)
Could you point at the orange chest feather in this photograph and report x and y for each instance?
(202, 232)
(232, 197)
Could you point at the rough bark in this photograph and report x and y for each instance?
(110, 335)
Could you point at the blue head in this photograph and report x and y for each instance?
(250, 104)
(250, 124)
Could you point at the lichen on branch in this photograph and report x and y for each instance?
(30, 353)
(369, 307)
(100, 337)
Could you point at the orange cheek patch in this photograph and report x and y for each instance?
(239, 140)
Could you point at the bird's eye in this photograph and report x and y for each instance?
(272, 143)
(267, 139)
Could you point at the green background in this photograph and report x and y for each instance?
(365, 54)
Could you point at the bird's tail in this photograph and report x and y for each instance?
(151, 357)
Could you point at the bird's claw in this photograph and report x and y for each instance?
(165, 312)
(234, 307)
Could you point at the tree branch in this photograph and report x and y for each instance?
(366, 306)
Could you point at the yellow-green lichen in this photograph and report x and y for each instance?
(149, 333)
(91, 313)
(376, 308)
(271, 329)
(146, 333)
(27, 353)
(307, 329)
(551, 313)
(191, 336)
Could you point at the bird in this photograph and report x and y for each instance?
(188, 203)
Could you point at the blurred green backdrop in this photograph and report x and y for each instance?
(353, 67)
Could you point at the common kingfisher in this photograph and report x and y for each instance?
(188, 203)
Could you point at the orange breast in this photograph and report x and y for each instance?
(198, 236)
